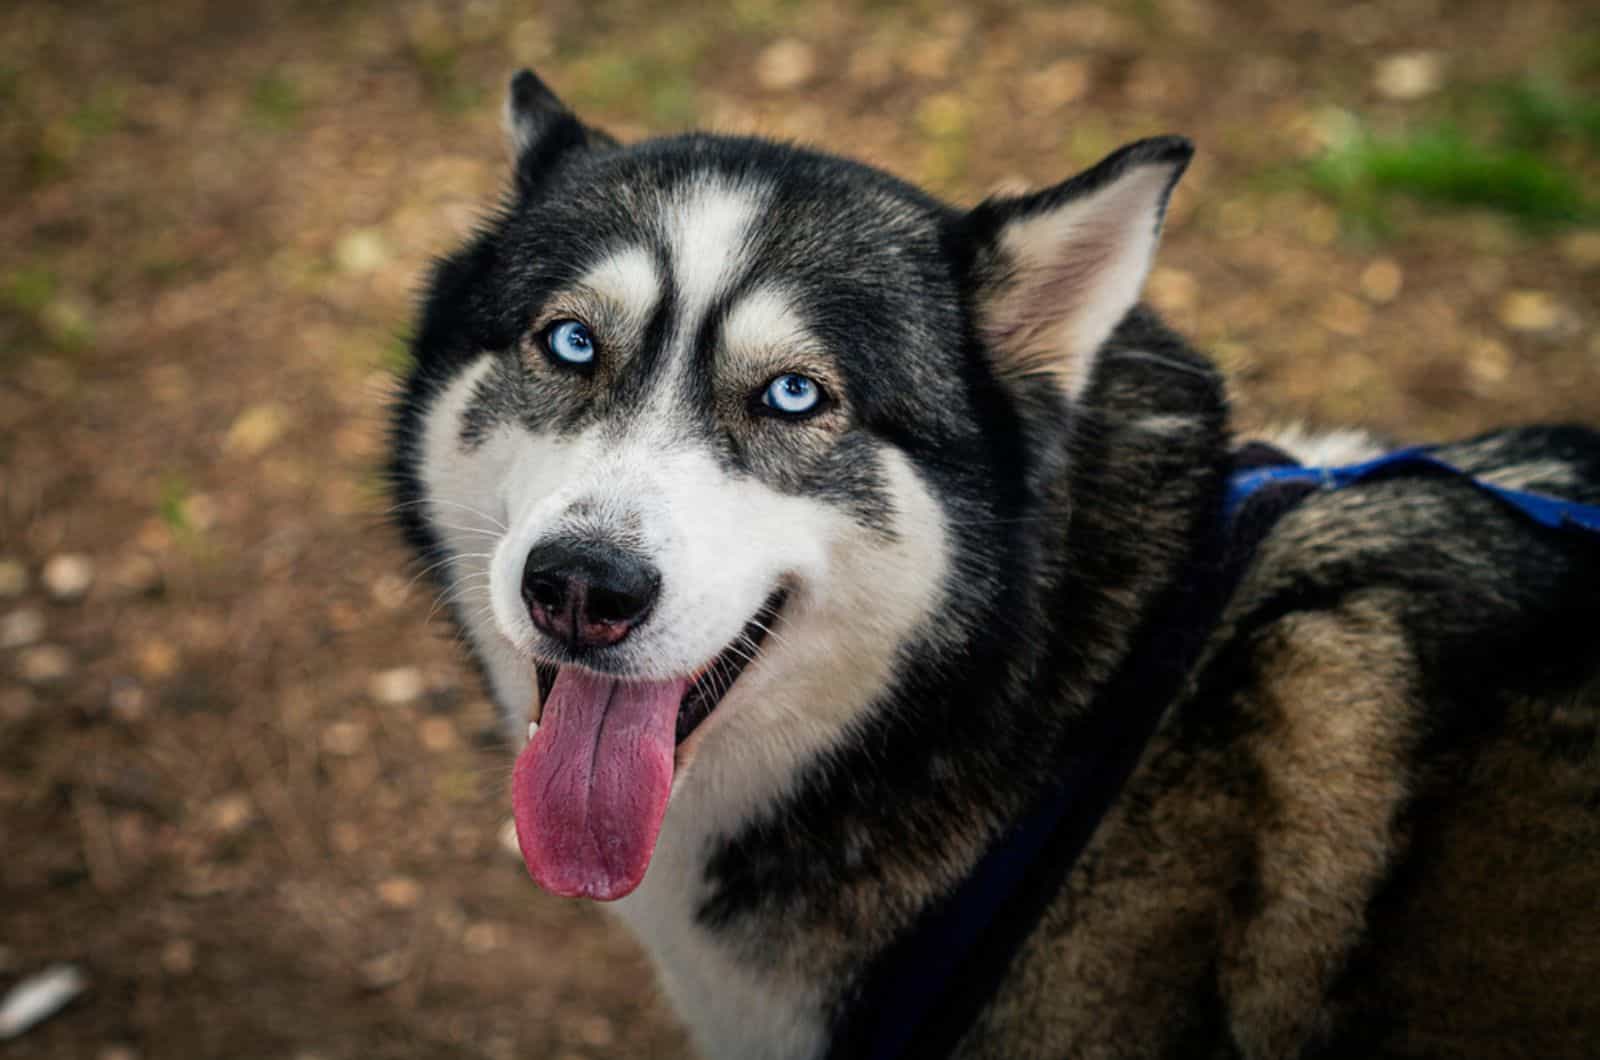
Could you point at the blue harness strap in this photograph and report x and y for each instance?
(924, 992)
(1554, 512)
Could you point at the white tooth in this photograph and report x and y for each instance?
(533, 727)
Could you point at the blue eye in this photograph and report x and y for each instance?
(792, 395)
(569, 341)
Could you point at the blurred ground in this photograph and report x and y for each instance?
(242, 782)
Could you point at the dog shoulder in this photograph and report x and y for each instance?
(1392, 647)
(1294, 845)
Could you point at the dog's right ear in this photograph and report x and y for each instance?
(1058, 269)
(540, 129)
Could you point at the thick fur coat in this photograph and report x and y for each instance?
(1368, 823)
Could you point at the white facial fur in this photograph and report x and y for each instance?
(706, 228)
(722, 542)
(464, 497)
(628, 281)
(763, 319)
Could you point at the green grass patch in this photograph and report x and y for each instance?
(28, 290)
(101, 115)
(1583, 56)
(1441, 165)
(33, 296)
(275, 102)
(172, 503)
(394, 355)
(765, 17)
(440, 67)
(618, 82)
(1522, 148)
(1539, 114)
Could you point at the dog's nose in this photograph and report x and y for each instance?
(587, 595)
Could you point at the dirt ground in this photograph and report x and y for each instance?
(245, 783)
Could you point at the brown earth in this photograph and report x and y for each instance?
(243, 782)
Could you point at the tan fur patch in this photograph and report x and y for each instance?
(1336, 714)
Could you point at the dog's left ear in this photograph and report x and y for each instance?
(1055, 271)
(540, 129)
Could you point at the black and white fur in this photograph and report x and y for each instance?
(1016, 463)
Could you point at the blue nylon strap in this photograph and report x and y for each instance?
(1554, 512)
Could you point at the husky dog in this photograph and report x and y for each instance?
(815, 530)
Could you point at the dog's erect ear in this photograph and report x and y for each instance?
(1057, 270)
(540, 128)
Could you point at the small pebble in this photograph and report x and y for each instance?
(1381, 281)
(177, 957)
(450, 920)
(256, 429)
(391, 592)
(344, 738)
(1058, 84)
(437, 734)
(1409, 75)
(13, 579)
(1489, 362)
(153, 535)
(1580, 248)
(403, 684)
(785, 65)
(481, 938)
(67, 577)
(1529, 311)
(597, 1031)
(137, 575)
(1344, 314)
(199, 512)
(44, 664)
(400, 892)
(20, 628)
(361, 251)
(157, 659)
(346, 837)
(128, 699)
(39, 997)
(386, 970)
(230, 813)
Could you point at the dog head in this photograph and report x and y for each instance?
(704, 434)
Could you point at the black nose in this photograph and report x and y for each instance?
(587, 594)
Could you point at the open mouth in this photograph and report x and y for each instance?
(713, 680)
(590, 790)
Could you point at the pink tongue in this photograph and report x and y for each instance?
(591, 787)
